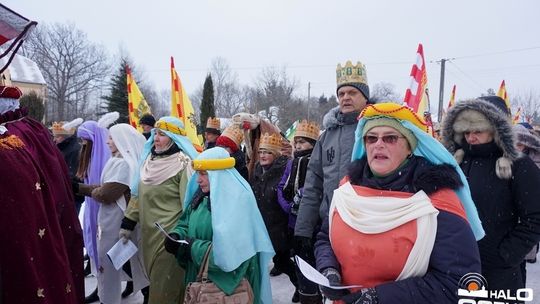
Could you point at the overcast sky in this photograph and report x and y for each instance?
(491, 40)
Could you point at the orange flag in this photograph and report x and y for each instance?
(452, 98)
(182, 108)
(137, 104)
(517, 117)
(503, 94)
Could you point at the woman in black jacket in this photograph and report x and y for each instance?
(264, 182)
(504, 186)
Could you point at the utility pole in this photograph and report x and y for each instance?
(441, 90)
(308, 98)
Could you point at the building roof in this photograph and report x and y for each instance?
(23, 69)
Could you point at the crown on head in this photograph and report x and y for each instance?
(307, 129)
(270, 142)
(58, 129)
(351, 73)
(213, 123)
(234, 133)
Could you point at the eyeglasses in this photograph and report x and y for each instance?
(264, 152)
(387, 139)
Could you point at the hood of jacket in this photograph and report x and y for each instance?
(464, 116)
(335, 118)
(526, 138)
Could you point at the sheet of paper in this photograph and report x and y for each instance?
(316, 277)
(167, 234)
(120, 253)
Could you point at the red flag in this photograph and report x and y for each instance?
(416, 95)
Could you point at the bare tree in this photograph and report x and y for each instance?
(73, 67)
(228, 98)
(384, 91)
(529, 102)
(273, 96)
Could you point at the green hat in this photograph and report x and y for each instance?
(390, 122)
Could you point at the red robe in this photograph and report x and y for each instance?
(36, 195)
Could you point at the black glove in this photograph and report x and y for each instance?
(303, 247)
(170, 245)
(363, 296)
(74, 186)
(295, 205)
(334, 278)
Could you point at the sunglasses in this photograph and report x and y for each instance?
(387, 139)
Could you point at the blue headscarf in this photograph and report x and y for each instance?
(237, 225)
(429, 148)
(181, 141)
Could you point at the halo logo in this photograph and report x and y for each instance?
(474, 285)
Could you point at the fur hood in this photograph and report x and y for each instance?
(526, 138)
(478, 114)
(335, 118)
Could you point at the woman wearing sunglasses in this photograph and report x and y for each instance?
(402, 225)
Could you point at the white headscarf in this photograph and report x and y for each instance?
(130, 144)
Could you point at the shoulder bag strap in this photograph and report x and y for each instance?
(203, 270)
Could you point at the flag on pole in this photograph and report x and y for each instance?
(416, 95)
(182, 108)
(12, 27)
(516, 119)
(503, 94)
(137, 105)
(289, 134)
(452, 98)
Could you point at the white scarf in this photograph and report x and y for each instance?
(156, 171)
(372, 215)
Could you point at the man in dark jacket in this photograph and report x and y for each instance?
(331, 157)
(504, 187)
(67, 142)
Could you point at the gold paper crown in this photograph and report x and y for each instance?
(271, 142)
(351, 73)
(213, 123)
(234, 133)
(58, 129)
(307, 129)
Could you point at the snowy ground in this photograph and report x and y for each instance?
(282, 289)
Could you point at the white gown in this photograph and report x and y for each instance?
(109, 220)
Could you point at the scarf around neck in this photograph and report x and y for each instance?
(156, 170)
(297, 175)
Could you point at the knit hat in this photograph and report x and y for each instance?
(497, 102)
(147, 119)
(392, 123)
(354, 76)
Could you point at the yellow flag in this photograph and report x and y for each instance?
(182, 108)
(503, 94)
(137, 104)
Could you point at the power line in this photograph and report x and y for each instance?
(467, 75)
(497, 53)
